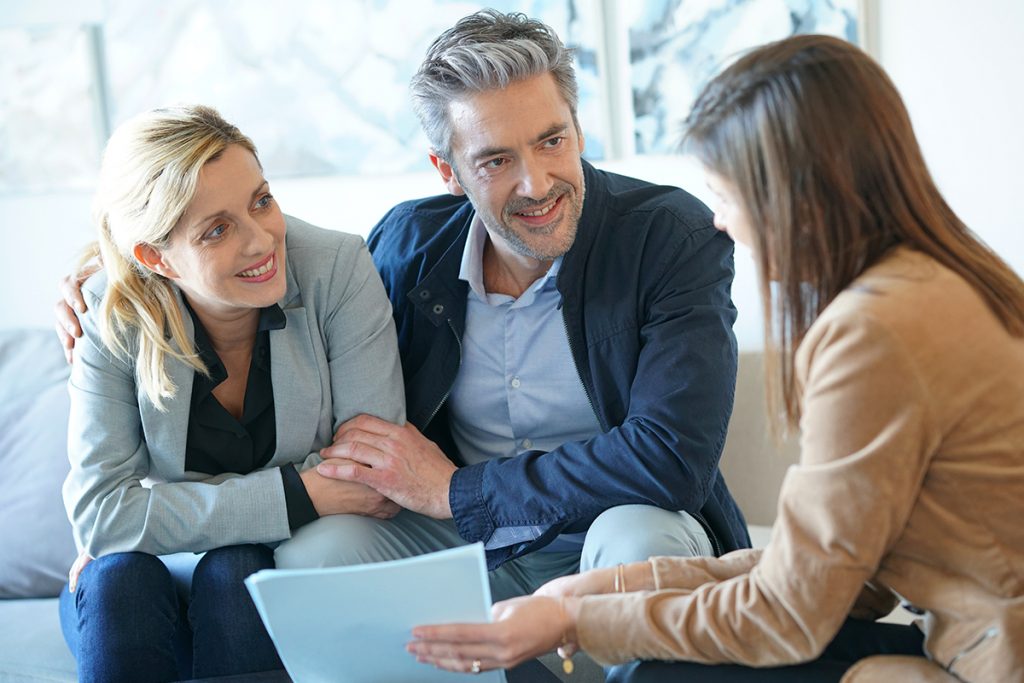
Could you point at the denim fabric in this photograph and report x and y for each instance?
(856, 640)
(125, 621)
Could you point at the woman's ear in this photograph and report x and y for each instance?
(151, 258)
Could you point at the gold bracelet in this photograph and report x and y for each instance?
(620, 578)
(567, 666)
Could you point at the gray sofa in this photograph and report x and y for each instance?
(36, 546)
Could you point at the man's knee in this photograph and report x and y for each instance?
(336, 541)
(633, 533)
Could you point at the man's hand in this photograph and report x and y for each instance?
(334, 497)
(71, 300)
(397, 461)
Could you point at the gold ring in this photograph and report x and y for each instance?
(475, 666)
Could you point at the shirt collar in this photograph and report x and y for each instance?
(472, 268)
(271, 318)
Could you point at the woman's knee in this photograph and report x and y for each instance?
(115, 577)
(231, 565)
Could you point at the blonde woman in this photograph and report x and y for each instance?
(896, 346)
(223, 344)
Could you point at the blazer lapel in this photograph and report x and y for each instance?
(167, 432)
(297, 383)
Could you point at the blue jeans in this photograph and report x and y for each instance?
(856, 640)
(126, 622)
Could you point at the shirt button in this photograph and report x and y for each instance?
(527, 444)
(515, 383)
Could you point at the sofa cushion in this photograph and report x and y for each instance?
(32, 648)
(35, 534)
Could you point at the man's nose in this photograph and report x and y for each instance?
(534, 182)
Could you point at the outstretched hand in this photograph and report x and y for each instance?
(523, 628)
(395, 460)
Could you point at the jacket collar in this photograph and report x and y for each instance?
(441, 295)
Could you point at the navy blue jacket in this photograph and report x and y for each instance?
(646, 303)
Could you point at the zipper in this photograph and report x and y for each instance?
(452, 384)
(583, 381)
(716, 547)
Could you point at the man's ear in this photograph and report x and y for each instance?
(447, 174)
(151, 258)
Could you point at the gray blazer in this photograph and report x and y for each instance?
(337, 357)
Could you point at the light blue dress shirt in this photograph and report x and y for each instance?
(517, 388)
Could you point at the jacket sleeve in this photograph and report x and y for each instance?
(110, 509)
(366, 374)
(359, 335)
(676, 391)
(867, 441)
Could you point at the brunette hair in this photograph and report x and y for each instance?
(819, 146)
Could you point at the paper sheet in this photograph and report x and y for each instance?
(351, 624)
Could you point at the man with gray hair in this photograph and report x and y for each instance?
(565, 333)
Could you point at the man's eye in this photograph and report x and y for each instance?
(264, 201)
(495, 163)
(553, 142)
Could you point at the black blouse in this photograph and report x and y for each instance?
(217, 442)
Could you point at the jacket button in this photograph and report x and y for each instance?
(424, 294)
(438, 309)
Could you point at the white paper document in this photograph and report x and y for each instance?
(351, 624)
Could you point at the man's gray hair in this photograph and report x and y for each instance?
(485, 51)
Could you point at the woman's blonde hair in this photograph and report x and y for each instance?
(820, 148)
(148, 179)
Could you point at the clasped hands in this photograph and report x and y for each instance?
(396, 461)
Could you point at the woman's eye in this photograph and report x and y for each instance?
(264, 201)
(217, 231)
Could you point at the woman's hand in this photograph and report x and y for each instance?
(523, 628)
(637, 576)
(337, 497)
(83, 559)
(594, 582)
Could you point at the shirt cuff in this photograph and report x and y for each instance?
(469, 510)
(296, 499)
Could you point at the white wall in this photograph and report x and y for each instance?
(957, 66)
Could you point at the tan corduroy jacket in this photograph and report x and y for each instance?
(911, 480)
